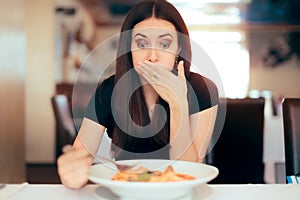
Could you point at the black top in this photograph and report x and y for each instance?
(202, 94)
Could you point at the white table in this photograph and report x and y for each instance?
(211, 192)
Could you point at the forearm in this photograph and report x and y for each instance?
(90, 135)
(75, 163)
(203, 134)
(181, 139)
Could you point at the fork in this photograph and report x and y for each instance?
(120, 167)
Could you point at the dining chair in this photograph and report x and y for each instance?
(65, 127)
(291, 125)
(238, 152)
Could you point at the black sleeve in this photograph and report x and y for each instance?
(202, 93)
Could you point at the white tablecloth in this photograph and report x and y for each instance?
(212, 192)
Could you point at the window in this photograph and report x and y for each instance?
(230, 58)
(225, 49)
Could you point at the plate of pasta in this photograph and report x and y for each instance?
(153, 179)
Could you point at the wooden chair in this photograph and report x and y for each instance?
(65, 128)
(238, 152)
(291, 124)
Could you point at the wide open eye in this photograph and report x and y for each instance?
(165, 44)
(142, 44)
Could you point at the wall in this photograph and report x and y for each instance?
(105, 32)
(26, 85)
(282, 80)
(40, 79)
(12, 76)
(40, 84)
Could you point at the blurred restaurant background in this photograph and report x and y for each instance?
(254, 45)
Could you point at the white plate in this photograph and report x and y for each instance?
(102, 174)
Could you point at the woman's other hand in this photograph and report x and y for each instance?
(74, 166)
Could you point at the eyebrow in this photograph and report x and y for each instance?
(161, 36)
(164, 35)
(139, 34)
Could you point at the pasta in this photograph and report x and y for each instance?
(144, 175)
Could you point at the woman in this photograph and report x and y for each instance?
(152, 68)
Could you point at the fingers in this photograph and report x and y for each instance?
(181, 68)
(156, 73)
(148, 73)
(154, 67)
(153, 71)
(74, 166)
(75, 174)
(71, 153)
(158, 69)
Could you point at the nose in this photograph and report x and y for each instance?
(153, 56)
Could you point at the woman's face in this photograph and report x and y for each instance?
(154, 40)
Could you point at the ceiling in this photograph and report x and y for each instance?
(109, 12)
(106, 12)
(113, 11)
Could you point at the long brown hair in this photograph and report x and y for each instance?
(160, 9)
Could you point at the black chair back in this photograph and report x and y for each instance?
(65, 128)
(291, 124)
(238, 152)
